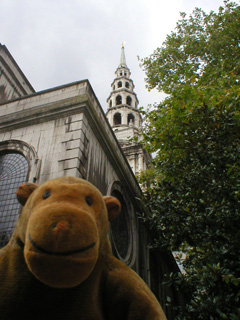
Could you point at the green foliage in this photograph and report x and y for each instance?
(193, 187)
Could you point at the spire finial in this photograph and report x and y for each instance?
(123, 59)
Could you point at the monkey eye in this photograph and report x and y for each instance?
(46, 194)
(88, 201)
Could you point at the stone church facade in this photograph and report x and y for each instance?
(63, 131)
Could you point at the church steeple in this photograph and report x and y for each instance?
(122, 112)
(123, 115)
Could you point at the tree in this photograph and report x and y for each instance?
(193, 186)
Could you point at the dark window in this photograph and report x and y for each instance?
(120, 229)
(117, 118)
(119, 84)
(13, 172)
(129, 100)
(127, 84)
(118, 100)
(110, 103)
(131, 119)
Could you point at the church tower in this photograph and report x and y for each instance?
(124, 116)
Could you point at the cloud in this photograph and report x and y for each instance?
(56, 41)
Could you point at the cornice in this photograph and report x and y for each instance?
(80, 98)
(13, 85)
(6, 65)
(122, 106)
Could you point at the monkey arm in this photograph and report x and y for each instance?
(128, 297)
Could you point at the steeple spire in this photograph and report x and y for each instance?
(123, 58)
(124, 116)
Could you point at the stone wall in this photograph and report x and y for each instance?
(64, 132)
(13, 83)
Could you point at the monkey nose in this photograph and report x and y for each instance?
(61, 225)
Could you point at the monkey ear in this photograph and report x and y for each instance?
(113, 207)
(24, 191)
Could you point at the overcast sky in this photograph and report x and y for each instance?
(56, 42)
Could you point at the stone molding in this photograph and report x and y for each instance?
(28, 152)
(130, 258)
(64, 101)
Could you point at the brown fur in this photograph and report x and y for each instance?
(58, 263)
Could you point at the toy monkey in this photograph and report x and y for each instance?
(59, 265)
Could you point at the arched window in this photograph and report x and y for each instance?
(13, 172)
(119, 84)
(123, 227)
(129, 100)
(117, 118)
(120, 229)
(131, 119)
(110, 103)
(127, 84)
(118, 100)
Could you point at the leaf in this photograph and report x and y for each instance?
(193, 187)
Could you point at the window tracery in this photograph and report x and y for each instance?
(13, 172)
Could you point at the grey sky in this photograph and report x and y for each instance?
(57, 41)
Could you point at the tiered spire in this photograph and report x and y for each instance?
(123, 114)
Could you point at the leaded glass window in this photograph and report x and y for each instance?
(13, 172)
(120, 229)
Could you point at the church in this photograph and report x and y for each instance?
(63, 131)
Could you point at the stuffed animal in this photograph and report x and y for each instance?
(58, 263)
